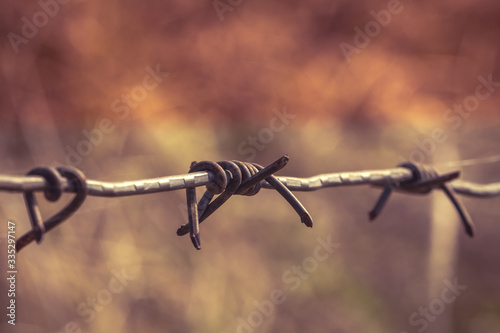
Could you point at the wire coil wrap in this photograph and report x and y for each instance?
(234, 177)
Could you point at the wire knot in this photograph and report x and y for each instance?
(229, 178)
(425, 179)
(54, 178)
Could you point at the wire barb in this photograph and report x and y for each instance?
(243, 178)
(425, 179)
(77, 179)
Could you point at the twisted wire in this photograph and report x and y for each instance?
(197, 179)
(227, 178)
(113, 189)
(243, 178)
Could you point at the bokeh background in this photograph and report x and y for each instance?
(231, 69)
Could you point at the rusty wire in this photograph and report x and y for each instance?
(197, 179)
(407, 177)
(111, 189)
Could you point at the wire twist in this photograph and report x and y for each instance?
(425, 179)
(233, 177)
(52, 193)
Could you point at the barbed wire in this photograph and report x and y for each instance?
(227, 178)
(202, 178)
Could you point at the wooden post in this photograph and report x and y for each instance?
(445, 228)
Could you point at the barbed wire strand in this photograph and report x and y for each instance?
(220, 178)
(203, 178)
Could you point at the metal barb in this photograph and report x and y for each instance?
(77, 179)
(194, 225)
(244, 179)
(264, 173)
(292, 200)
(233, 185)
(425, 179)
(53, 193)
(35, 216)
(464, 215)
(217, 187)
(384, 197)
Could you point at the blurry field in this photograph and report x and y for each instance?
(117, 265)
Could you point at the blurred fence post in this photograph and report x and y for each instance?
(444, 232)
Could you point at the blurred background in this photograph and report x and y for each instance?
(127, 90)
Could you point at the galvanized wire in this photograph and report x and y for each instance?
(227, 178)
(111, 189)
(476, 190)
(203, 178)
